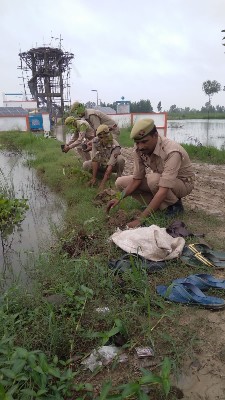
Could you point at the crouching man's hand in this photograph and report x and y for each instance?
(101, 186)
(92, 182)
(134, 224)
(111, 204)
(66, 148)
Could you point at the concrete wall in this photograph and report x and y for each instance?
(46, 122)
(21, 123)
(27, 105)
(127, 120)
(122, 120)
(17, 123)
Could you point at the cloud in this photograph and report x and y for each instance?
(146, 49)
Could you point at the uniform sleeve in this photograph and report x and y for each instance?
(139, 167)
(95, 121)
(73, 138)
(171, 168)
(114, 154)
(80, 138)
(82, 131)
(94, 153)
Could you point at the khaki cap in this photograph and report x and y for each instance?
(75, 106)
(69, 120)
(142, 128)
(102, 128)
(72, 120)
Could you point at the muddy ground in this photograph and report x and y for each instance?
(203, 373)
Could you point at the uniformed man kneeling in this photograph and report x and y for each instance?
(172, 174)
(82, 134)
(105, 156)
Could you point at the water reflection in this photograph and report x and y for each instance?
(198, 132)
(36, 232)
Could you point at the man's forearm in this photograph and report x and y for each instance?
(107, 174)
(73, 145)
(130, 188)
(155, 203)
(94, 169)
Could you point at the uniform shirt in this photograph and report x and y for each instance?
(96, 118)
(169, 159)
(105, 154)
(84, 131)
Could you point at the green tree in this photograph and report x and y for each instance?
(141, 106)
(90, 104)
(113, 105)
(220, 108)
(159, 106)
(173, 109)
(210, 88)
(208, 108)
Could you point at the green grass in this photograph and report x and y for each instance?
(205, 154)
(196, 115)
(124, 138)
(76, 270)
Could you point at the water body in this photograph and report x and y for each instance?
(45, 214)
(198, 132)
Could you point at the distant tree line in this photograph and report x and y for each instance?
(137, 106)
(209, 87)
(187, 110)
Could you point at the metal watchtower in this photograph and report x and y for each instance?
(46, 72)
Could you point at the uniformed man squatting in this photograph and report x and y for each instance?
(172, 176)
(95, 118)
(82, 135)
(105, 156)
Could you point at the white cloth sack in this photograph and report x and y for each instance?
(151, 242)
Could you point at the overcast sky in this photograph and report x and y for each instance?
(140, 49)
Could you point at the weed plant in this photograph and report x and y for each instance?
(57, 316)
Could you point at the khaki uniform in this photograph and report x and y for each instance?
(84, 134)
(106, 155)
(170, 168)
(96, 118)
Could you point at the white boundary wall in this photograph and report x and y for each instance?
(27, 105)
(127, 120)
(13, 123)
(46, 122)
(122, 120)
(21, 123)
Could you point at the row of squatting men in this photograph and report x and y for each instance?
(94, 137)
(171, 178)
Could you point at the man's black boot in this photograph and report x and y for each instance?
(175, 209)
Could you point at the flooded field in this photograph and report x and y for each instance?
(198, 132)
(37, 231)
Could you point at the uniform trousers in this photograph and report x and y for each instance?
(150, 185)
(118, 167)
(85, 155)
